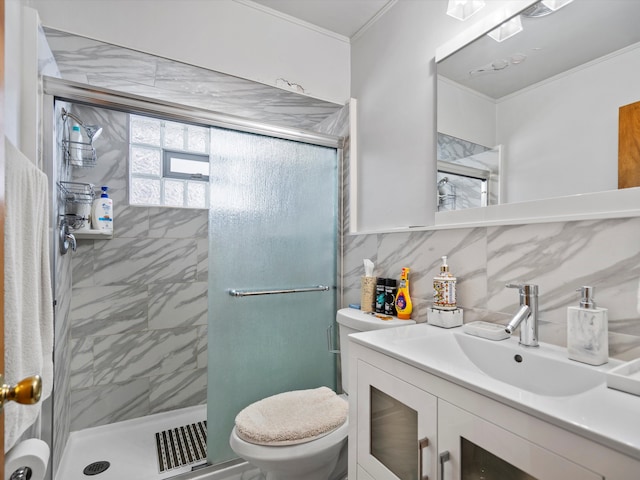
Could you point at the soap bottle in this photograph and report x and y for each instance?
(404, 307)
(102, 212)
(587, 330)
(444, 288)
(75, 146)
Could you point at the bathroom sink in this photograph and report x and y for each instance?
(542, 370)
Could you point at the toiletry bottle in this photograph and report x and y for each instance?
(102, 212)
(380, 284)
(404, 307)
(75, 146)
(390, 290)
(444, 288)
(587, 330)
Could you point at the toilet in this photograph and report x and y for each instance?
(317, 453)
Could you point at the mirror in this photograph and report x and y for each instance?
(550, 97)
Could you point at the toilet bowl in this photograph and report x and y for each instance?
(323, 457)
(320, 459)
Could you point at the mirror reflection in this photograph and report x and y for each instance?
(549, 96)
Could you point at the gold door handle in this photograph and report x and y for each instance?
(26, 392)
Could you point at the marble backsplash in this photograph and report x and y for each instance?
(559, 257)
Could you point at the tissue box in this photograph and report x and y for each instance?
(444, 318)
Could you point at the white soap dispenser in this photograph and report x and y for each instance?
(587, 330)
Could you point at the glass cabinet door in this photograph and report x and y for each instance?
(397, 427)
(471, 448)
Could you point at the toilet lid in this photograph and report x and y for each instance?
(292, 417)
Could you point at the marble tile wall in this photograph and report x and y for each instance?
(559, 257)
(139, 305)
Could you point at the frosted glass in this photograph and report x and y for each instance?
(145, 130)
(197, 139)
(173, 193)
(145, 191)
(174, 136)
(272, 225)
(196, 195)
(394, 430)
(146, 161)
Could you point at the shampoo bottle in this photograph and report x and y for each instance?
(587, 330)
(75, 146)
(102, 212)
(404, 307)
(444, 288)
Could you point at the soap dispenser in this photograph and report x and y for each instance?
(587, 330)
(444, 288)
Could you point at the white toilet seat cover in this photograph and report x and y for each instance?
(292, 417)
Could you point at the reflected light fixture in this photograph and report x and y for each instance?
(463, 9)
(556, 4)
(507, 30)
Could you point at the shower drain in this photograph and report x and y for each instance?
(96, 467)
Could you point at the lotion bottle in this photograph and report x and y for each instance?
(404, 307)
(102, 212)
(587, 330)
(444, 288)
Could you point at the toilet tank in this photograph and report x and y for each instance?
(351, 321)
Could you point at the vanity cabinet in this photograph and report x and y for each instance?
(408, 424)
(398, 426)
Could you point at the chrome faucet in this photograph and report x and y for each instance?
(527, 316)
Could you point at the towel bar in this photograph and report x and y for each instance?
(249, 293)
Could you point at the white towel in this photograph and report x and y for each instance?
(28, 314)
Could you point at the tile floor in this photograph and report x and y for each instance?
(130, 448)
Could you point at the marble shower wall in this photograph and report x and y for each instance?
(139, 304)
(559, 257)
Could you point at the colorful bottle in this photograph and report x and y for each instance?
(390, 291)
(404, 307)
(444, 288)
(102, 212)
(380, 284)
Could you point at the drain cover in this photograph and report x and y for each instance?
(96, 467)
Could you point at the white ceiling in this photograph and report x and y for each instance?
(344, 17)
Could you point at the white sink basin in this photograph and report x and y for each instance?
(542, 370)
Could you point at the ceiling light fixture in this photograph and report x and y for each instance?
(463, 9)
(507, 30)
(544, 8)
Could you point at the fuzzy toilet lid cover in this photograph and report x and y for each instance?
(292, 417)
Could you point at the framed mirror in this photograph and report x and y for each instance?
(550, 96)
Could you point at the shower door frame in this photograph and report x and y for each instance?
(55, 89)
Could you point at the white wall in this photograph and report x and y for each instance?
(465, 114)
(567, 129)
(222, 35)
(21, 78)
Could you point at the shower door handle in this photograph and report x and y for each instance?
(250, 293)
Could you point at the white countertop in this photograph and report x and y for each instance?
(604, 415)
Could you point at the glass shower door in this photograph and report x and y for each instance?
(272, 226)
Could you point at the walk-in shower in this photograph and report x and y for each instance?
(132, 314)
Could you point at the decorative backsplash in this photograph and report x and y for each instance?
(560, 257)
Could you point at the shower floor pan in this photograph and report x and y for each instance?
(131, 449)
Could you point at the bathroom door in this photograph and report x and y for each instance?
(272, 226)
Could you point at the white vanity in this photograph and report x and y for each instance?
(428, 402)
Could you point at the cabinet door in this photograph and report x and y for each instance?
(473, 449)
(396, 427)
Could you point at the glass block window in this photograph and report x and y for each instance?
(168, 163)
